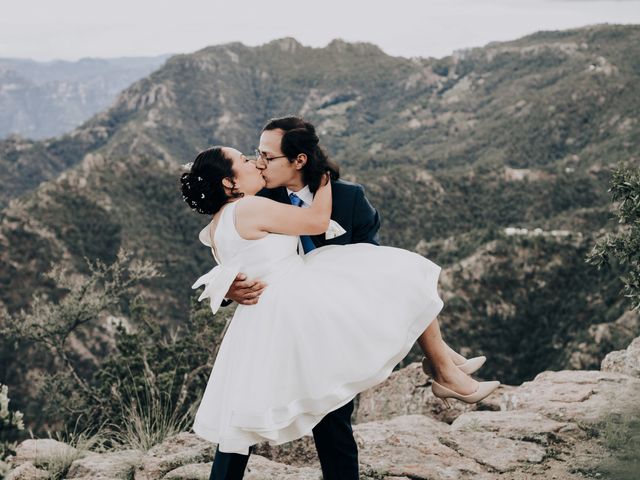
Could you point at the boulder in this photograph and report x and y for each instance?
(27, 471)
(300, 452)
(110, 465)
(408, 391)
(182, 449)
(42, 451)
(624, 361)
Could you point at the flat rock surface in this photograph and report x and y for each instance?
(577, 395)
(519, 425)
(193, 471)
(411, 446)
(498, 453)
(260, 468)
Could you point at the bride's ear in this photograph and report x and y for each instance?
(301, 161)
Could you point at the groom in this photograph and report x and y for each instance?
(292, 163)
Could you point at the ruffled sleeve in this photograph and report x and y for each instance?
(216, 284)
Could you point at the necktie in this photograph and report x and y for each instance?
(307, 243)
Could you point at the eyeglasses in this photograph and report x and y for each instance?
(262, 156)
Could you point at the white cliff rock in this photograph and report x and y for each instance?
(546, 427)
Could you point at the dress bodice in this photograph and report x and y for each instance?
(265, 259)
(256, 258)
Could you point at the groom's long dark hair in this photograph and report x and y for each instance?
(300, 137)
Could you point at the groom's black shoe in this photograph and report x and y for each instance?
(337, 449)
(229, 466)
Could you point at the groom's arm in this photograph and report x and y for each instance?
(366, 220)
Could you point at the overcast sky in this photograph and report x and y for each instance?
(72, 29)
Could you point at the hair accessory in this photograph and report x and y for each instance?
(187, 166)
(202, 196)
(200, 179)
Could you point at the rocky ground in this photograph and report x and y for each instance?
(561, 425)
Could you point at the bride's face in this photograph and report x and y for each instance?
(248, 178)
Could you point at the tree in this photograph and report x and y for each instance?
(623, 246)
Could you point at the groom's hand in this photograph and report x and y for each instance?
(245, 292)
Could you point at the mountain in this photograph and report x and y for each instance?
(493, 162)
(45, 99)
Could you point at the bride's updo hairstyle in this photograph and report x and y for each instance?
(300, 137)
(202, 186)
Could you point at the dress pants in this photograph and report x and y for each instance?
(333, 436)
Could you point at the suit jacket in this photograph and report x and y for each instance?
(350, 208)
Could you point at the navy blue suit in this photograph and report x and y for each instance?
(333, 436)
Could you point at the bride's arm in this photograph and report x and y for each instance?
(257, 215)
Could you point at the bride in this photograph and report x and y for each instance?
(330, 324)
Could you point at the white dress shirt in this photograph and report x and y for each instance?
(303, 194)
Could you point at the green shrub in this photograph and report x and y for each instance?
(623, 246)
(11, 424)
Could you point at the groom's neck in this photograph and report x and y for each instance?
(295, 185)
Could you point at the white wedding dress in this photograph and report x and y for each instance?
(328, 325)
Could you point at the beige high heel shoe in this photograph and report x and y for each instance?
(469, 366)
(484, 390)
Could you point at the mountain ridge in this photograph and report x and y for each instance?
(45, 99)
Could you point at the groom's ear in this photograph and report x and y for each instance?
(300, 161)
(227, 182)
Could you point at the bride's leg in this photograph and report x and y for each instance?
(456, 357)
(444, 369)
